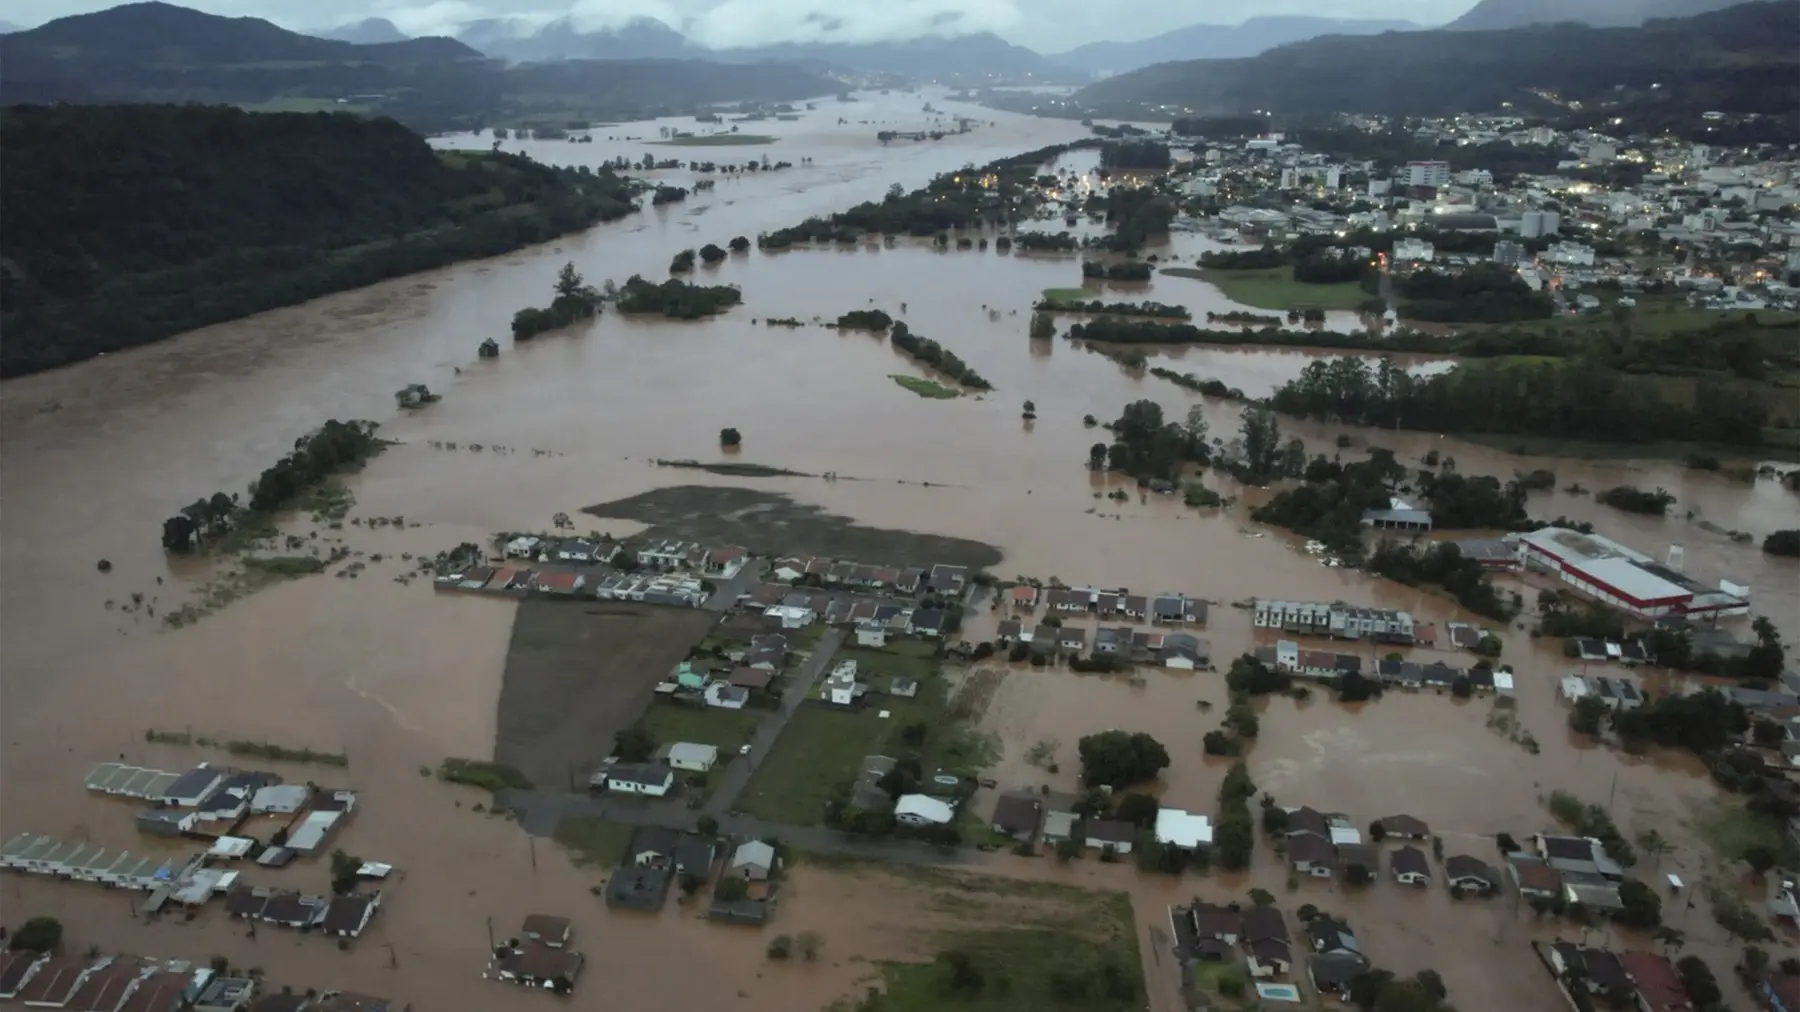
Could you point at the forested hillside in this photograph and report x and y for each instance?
(127, 224)
(1744, 59)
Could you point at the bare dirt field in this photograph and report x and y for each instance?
(774, 524)
(578, 673)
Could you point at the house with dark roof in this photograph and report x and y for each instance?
(1533, 877)
(16, 966)
(293, 910)
(349, 915)
(1360, 862)
(949, 579)
(1018, 816)
(1403, 827)
(1221, 923)
(928, 622)
(1309, 855)
(53, 983)
(638, 887)
(534, 965)
(1266, 943)
(696, 853)
(1328, 934)
(1110, 834)
(1599, 969)
(1466, 874)
(1410, 866)
(546, 929)
(1332, 972)
(1308, 820)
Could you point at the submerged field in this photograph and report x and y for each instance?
(1274, 289)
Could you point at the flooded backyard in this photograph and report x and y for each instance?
(95, 455)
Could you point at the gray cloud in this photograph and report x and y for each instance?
(1047, 25)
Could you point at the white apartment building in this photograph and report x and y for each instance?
(1413, 250)
(1427, 173)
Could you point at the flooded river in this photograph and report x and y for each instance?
(94, 456)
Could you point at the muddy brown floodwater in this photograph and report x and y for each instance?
(94, 455)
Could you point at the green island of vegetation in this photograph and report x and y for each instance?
(575, 300)
(1274, 288)
(935, 355)
(930, 389)
(103, 258)
(334, 449)
(676, 299)
(715, 140)
(873, 320)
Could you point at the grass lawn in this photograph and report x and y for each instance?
(1731, 829)
(929, 389)
(1275, 289)
(822, 746)
(593, 842)
(715, 141)
(1069, 294)
(1208, 975)
(711, 725)
(1077, 954)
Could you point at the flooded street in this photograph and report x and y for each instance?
(95, 455)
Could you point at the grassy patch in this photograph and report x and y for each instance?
(711, 725)
(822, 747)
(1208, 978)
(1081, 958)
(1275, 289)
(1731, 830)
(285, 565)
(715, 141)
(486, 775)
(1550, 446)
(929, 389)
(1067, 294)
(593, 842)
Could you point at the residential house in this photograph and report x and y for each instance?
(841, 687)
(1466, 874)
(1329, 935)
(1778, 990)
(695, 855)
(871, 634)
(1108, 605)
(1185, 652)
(922, 810)
(1410, 866)
(1533, 877)
(1308, 820)
(1360, 862)
(191, 787)
(280, 799)
(753, 860)
(1266, 943)
(294, 910)
(108, 987)
(1175, 609)
(652, 847)
(949, 580)
(725, 696)
(788, 570)
(1110, 641)
(1584, 855)
(905, 688)
(1332, 972)
(1063, 601)
(1399, 516)
(1592, 892)
(546, 929)
(1009, 631)
(1059, 826)
(1134, 606)
(653, 779)
(164, 991)
(750, 679)
(725, 563)
(792, 617)
(16, 967)
(1658, 986)
(1210, 921)
(1186, 830)
(1599, 969)
(665, 555)
(1403, 827)
(1017, 816)
(534, 965)
(1309, 855)
(348, 915)
(687, 755)
(1071, 638)
(638, 887)
(1110, 835)
(55, 982)
(911, 581)
(929, 622)
(1042, 638)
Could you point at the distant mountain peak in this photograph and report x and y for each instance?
(1218, 42)
(367, 32)
(1489, 15)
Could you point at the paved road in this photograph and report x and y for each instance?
(738, 768)
(726, 596)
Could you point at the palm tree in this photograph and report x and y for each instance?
(1652, 843)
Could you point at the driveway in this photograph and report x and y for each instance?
(739, 768)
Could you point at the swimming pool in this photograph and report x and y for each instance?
(1278, 992)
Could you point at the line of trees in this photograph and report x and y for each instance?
(1128, 270)
(938, 357)
(1149, 447)
(676, 299)
(1135, 154)
(1155, 309)
(335, 448)
(865, 319)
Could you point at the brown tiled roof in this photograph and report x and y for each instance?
(1307, 820)
(1018, 813)
(1409, 859)
(751, 678)
(1657, 982)
(1264, 922)
(1309, 848)
(1535, 875)
(1110, 831)
(542, 962)
(55, 981)
(160, 993)
(1463, 866)
(1405, 825)
(13, 965)
(103, 990)
(1216, 922)
(546, 926)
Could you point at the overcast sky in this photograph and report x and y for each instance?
(1046, 25)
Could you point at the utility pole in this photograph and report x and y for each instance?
(490, 929)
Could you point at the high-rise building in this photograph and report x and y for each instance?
(1334, 177)
(1427, 173)
(1533, 224)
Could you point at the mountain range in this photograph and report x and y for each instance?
(1217, 42)
(157, 52)
(1489, 15)
(1740, 59)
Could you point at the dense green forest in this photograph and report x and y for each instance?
(1742, 60)
(128, 224)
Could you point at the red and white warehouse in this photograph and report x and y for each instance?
(1624, 579)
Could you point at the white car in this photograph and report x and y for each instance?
(744, 749)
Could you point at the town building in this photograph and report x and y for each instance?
(1622, 578)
